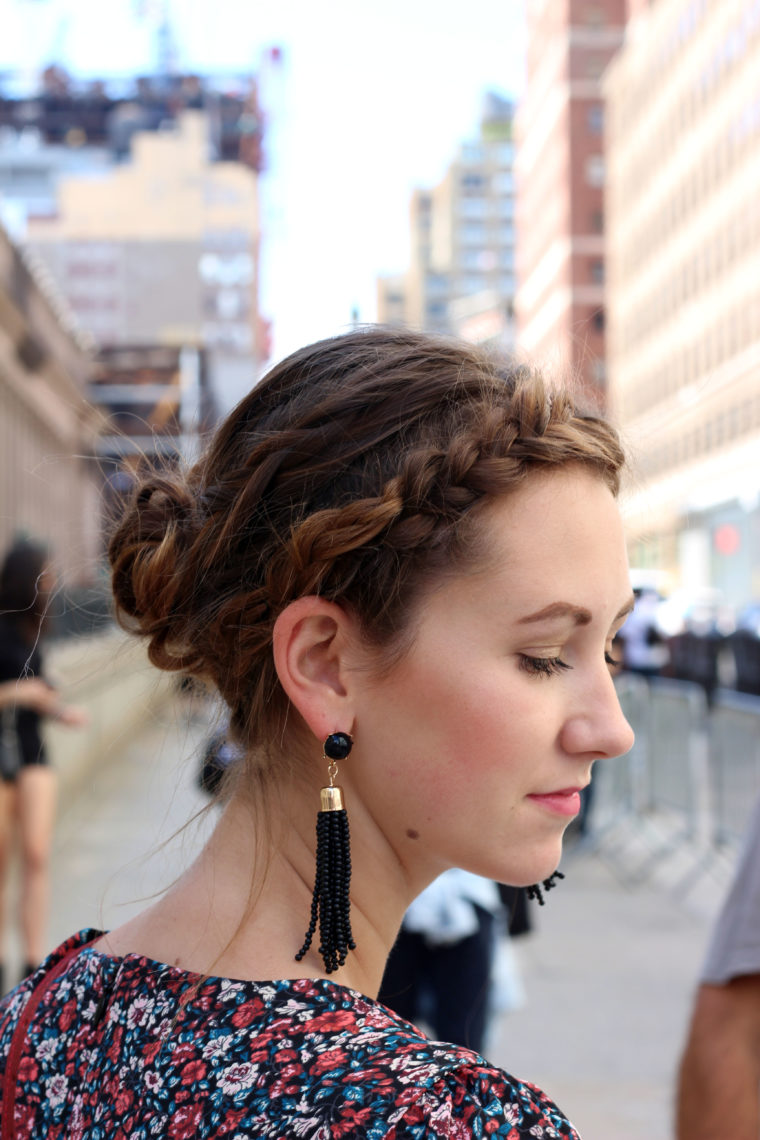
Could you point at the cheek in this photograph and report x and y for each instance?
(452, 731)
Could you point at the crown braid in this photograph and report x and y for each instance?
(353, 471)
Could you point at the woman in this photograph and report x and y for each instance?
(27, 784)
(402, 565)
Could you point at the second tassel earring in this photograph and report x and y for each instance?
(330, 904)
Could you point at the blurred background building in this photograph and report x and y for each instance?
(461, 275)
(626, 185)
(560, 168)
(605, 226)
(49, 480)
(144, 207)
(136, 206)
(683, 288)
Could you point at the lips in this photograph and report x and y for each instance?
(565, 801)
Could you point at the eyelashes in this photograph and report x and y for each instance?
(551, 666)
(543, 666)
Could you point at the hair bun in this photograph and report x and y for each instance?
(149, 561)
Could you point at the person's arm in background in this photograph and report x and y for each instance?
(719, 1080)
(30, 693)
(38, 696)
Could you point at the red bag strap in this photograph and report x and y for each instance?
(19, 1039)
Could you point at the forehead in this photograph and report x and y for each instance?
(555, 527)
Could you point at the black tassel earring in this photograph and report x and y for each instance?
(536, 892)
(330, 904)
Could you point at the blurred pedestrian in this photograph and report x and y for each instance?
(402, 564)
(28, 786)
(719, 1081)
(440, 968)
(644, 648)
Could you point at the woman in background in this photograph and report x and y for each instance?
(402, 565)
(28, 787)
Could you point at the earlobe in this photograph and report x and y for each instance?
(311, 640)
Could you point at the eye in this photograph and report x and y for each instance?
(542, 666)
(610, 660)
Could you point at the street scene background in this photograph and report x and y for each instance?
(189, 192)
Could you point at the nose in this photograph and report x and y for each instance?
(596, 725)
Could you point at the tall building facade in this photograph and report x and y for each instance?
(162, 249)
(49, 483)
(683, 255)
(461, 276)
(143, 206)
(560, 172)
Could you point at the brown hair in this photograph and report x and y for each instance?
(24, 596)
(351, 471)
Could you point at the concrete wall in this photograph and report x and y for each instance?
(109, 676)
(48, 485)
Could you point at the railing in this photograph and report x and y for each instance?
(688, 786)
(734, 746)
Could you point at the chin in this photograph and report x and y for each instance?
(532, 870)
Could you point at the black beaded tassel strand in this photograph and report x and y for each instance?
(330, 903)
(537, 890)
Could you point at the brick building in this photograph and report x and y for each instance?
(560, 172)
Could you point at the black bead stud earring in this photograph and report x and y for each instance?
(330, 903)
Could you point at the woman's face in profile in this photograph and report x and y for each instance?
(475, 747)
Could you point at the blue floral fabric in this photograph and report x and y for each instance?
(129, 1047)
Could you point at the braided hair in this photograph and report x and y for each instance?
(356, 470)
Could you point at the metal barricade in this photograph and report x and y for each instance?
(734, 763)
(621, 779)
(618, 781)
(652, 803)
(677, 768)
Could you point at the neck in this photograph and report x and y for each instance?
(242, 909)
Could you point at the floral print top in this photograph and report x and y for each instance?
(129, 1047)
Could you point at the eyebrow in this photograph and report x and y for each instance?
(579, 614)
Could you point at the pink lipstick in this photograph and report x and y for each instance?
(567, 801)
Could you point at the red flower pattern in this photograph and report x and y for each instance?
(179, 1059)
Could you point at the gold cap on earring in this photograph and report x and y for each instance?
(331, 799)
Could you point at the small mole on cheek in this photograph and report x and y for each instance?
(412, 834)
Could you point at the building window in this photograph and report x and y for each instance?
(595, 119)
(437, 284)
(597, 320)
(595, 170)
(470, 258)
(471, 181)
(472, 152)
(472, 283)
(472, 207)
(596, 270)
(595, 65)
(598, 371)
(473, 232)
(503, 182)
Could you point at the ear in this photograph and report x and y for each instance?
(312, 643)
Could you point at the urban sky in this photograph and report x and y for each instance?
(369, 101)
